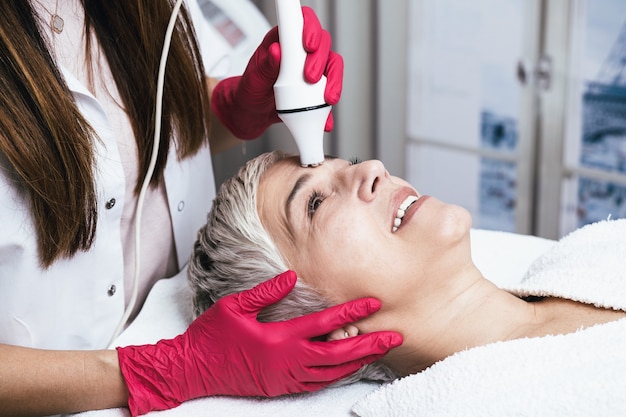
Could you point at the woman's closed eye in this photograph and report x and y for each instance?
(315, 200)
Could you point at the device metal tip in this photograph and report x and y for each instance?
(311, 165)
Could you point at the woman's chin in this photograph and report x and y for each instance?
(457, 222)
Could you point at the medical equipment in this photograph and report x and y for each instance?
(300, 105)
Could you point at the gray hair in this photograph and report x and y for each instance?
(234, 252)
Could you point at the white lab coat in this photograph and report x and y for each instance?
(77, 304)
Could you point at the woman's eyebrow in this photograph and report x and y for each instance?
(301, 182)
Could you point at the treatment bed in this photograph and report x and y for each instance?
(502, 257)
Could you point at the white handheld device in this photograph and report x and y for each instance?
(300, 105)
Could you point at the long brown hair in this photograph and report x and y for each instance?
(45, 139)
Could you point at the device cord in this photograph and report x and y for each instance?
(153, 158)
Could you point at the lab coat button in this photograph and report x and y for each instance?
(181, 206)
(112, 290)
(110, 204)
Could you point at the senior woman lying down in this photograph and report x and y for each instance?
(352, 230)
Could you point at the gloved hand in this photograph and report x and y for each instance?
(227, 351)
(245, 104)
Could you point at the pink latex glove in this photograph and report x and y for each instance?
(245, 104)
(227, 351)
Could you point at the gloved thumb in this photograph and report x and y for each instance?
(264, 64)
(267, 293)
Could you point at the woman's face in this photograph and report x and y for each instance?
(339, 227)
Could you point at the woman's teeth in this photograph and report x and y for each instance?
(402, 211)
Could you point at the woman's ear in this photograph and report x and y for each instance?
(343, 333)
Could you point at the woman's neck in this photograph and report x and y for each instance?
(475, 313)
(478, 314)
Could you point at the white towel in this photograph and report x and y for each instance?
(588, 265)
(577, 374)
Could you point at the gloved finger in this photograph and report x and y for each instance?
(330, 123)
(326, 375)
(267, 293)
(261, 51)
(263, 61)
(352, 349)
(270, 37)
(334, 78)
(262, 70)
(325, 321)
(272, 64)
(311, 30)
(317, 60)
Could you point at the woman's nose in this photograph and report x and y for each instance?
(369, 176)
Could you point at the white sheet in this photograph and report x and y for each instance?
(167, 312)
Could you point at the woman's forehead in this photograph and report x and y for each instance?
(287, 171)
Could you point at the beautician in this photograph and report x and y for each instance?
(77, 106)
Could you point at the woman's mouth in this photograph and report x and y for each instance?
(404, 206)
